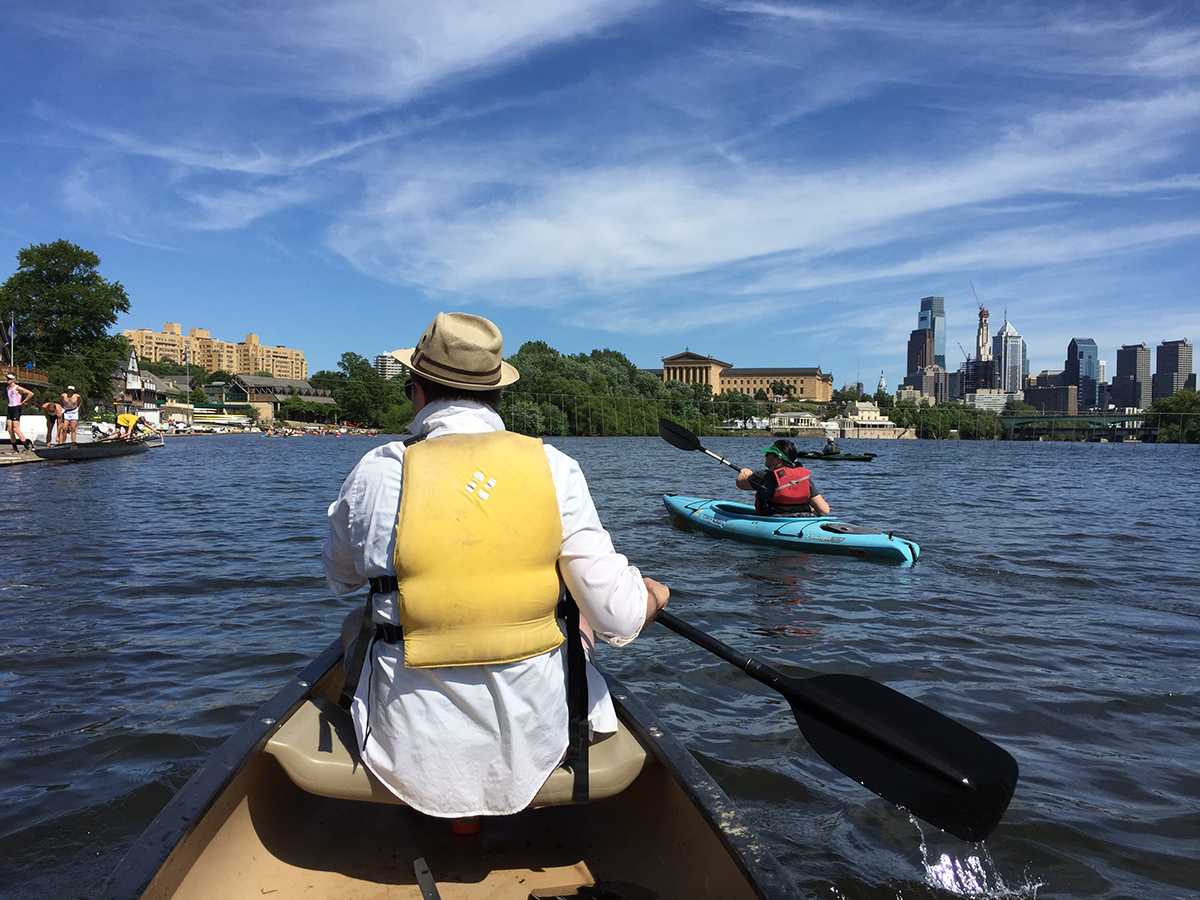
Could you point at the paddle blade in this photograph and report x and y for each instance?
(904, 751)
(677, 435)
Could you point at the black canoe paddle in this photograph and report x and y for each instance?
(936, 768)
(678, 436)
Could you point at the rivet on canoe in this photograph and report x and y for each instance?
(303, 684)
(268, 721)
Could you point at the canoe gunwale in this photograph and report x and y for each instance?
(182, 814)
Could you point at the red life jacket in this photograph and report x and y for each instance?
(792, 490)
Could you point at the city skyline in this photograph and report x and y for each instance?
(768, 181)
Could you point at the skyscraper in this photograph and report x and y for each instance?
(983, 349)
(1174, 370)
(1082, 370)
(933, 318)
(1008, 351)
(1131, 384)
(920, 350)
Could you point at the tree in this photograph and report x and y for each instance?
(62, 310)
(197, 397)
(1177, 418)
(782, 389)
(262, 374)
(883, 400)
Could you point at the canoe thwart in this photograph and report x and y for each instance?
(318, 750)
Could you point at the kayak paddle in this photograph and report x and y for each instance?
(906, 752)
(678, 436)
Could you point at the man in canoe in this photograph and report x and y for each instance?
(830, 448)
(783, 488)
(463, 532)
(71, 401)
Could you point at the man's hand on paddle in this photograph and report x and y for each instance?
(657, 595)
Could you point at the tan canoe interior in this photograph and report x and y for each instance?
(265, 837)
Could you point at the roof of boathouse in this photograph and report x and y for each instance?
(263, 388)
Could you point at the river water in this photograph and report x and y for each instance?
(149, 604)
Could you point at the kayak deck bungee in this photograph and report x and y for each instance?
(258, 819)
(816, 534)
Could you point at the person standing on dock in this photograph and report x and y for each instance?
(17, 397)
(466, 534)
(71, 401)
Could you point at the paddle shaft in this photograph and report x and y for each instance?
(722, 459)
(819, 704)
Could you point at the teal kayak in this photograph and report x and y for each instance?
(817, 534)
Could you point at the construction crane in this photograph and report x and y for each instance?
(981, 309)
(960, 347)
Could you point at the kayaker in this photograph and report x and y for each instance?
(460, 707)
(830, 448)
(17, 396)
(783, 488)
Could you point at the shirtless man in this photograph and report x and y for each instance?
(54, 423)
(71, 401)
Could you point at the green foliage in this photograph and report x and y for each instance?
(62, 309)
(214, 377)
(1015, 407)
(197, 397)
(883, 400)
(261, 374)
(1177, 418)
(166, 367)
(363, 396)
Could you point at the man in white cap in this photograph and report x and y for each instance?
(17, 396)
(71, 401)
(463, 532)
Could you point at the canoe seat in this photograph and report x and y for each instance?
(317, 748)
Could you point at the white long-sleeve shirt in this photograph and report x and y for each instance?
(472, 740)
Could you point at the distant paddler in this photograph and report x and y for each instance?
(830, 448)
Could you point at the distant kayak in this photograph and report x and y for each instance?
(817, 534)
(834, 457)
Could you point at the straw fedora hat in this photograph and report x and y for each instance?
(460, 351)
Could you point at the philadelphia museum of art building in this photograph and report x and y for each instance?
(692, 368)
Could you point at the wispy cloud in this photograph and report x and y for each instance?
(628, 166)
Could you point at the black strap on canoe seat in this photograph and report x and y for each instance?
(577, 699)
(356, 655)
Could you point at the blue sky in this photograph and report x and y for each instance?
(772, 184)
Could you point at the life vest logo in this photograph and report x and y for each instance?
(480, 488)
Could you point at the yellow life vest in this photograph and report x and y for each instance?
(477, 542)
(127, 420)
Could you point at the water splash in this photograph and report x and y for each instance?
(974, 876)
